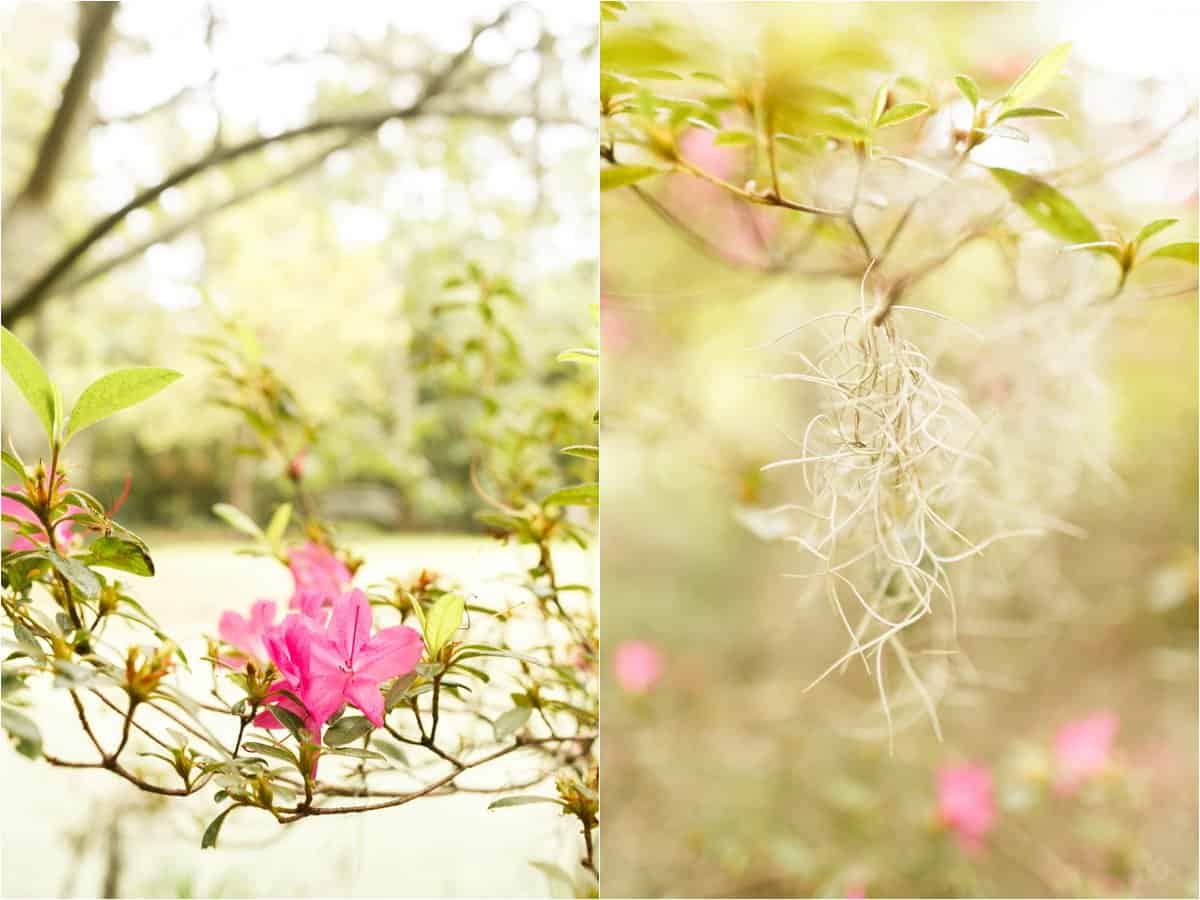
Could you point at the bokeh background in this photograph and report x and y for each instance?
(723, 777)
(324, 178)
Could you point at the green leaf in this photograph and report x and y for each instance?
(83, 578)
(116, 391)
(1049, 208)
(613, 177)
(13, 463)
(278, 524)
(733, 138)
(30, 378)
(901, 113)
(1184, 251)
(1110, 248)
(557, 877)
(879, 101)
(272, 751)
(398, 689)
(235, 518)
(511, 722)
(522, 800)
(1150, 229)
(289, 720)
(115, 553)
(576, 495)
(968, 88)
(579, 355)
(1030, 112)
(347, 730)
(214, 829)
(1039, 76)
(583, 451)
(835, 123)
(443, 620)
(23, 729)
(355, 752)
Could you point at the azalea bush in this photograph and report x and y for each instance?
(863, 281)
(342, 698)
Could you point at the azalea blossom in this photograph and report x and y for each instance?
(246, 634)
(1081, 749)
(288, 646)
(639, 665)
(347, 663)
(966, 803)
(319, 577)
(63, 534)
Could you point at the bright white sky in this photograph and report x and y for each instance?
(264, 84)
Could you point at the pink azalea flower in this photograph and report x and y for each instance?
(63, 534)
(246, 634)
(289, 646)
(639, 665)
(1081, 749)
(347, 663)
(966, 803)
(319, 577)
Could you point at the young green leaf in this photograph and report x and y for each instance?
(1150, 229)
(579, 355)
(116, 391)
(442, 621)
(1184, 251)
(1049, 208)
(237, 519)
(13, 462)
(1030, 112)
(901, 113)
(583, 451)
(733, 138)
(613, 177)
(879, 101)
(576, 495)
(278, 524)
(967, 87)
(1039, 76)
(30, 378)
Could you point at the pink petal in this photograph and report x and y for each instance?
(390, 652)
(639, 665)
(364, 693)
(350, 623)
(324, 694)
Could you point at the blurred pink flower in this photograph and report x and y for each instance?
(246, 634)
(966, 803)
(319, 576)
(639, 665)
(1081, 749)
(615, 332)
(740, 230)
(63, 533)
(346, 663)
(856, 890)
